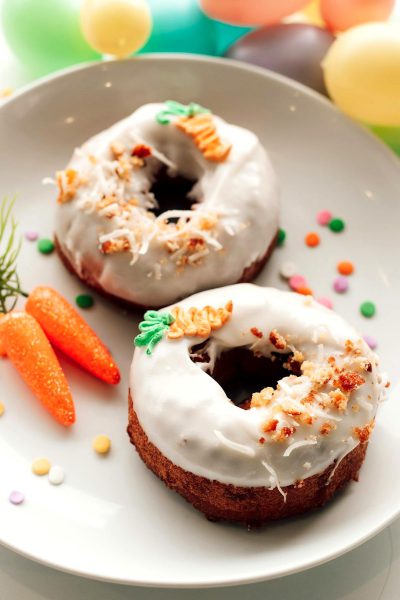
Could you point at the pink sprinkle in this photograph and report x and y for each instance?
(371, 341)
(16, 497)
(324, 217)
(31, 236)
(297, 281)
(340, 285)
(325, 302)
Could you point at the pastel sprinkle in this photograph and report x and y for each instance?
(367, 309)
(41, 466)
(345, 267)
(336, 225)
(340, 285)
(287, 270)
(281, 237)
(304, 290)
(16, 497)
(102, 444)
(324, 217)
(56, 475)
(371, 341)
(31, 236)
(297, 281)
(45, 246)
(325, 302)
(84, 301)
(312, 239)
(2, 409)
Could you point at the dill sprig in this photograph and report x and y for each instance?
(10, 245)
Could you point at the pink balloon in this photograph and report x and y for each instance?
(251, 12)
(340, 15)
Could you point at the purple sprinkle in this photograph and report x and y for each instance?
(31, 236)
(340, 285)
(371, 341)
(16, 497)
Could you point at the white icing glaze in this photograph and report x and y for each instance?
(240, 194)
(188, 416)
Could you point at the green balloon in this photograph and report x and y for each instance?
(227, 34)
(45, 34)
(389, 135)
(180, 26)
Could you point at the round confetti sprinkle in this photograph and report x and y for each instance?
(102, 444)
(45, 246)
(297, 281)
(287, 270)
(2, 409)
(281, 237)
(340, 285)
(41, 466)
(312, 239)
(325, 302)
(336, 225)
(56, 475)
(324, 217)
(304, 290)
(371, 341)
(367, 309)
(31, 236)
(345, 267)
(84, 301)
(16, 497)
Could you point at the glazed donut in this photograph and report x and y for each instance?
(312, 385)
(112, 231)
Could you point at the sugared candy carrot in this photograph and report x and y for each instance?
(24, 342)
(66, 330)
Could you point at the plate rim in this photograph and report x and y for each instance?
(300, 565)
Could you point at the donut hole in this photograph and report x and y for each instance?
(240, 372)
(172, 192)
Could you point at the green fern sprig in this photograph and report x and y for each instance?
(10, 245)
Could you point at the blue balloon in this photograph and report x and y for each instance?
(180, 26)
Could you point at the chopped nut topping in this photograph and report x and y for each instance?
(117, 149)
(114, 246)
(270, 425)
(256, 332)
(348, 381)
(277, 340)
(363, 433)
(339, 400)
(283, 434)
(262, 398)
(326, 428)
(68, 182)
(141, 151)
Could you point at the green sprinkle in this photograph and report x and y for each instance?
(153, 329)
(281, 237)
(84, 301)
(336, 225)
(367, 309)
(179, 110)
(45, 246)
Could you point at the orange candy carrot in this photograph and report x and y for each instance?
(66, 330)
(24, 342)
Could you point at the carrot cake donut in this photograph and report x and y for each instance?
(253, 403)
(167, 202)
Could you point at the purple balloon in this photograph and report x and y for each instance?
(294, 50)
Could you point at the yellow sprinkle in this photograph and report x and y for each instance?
(102, 444)
(2, 408)
(41, 466)
(6, 92)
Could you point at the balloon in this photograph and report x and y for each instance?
(45, 34)
(362, 73)
(180, 27)
(251, 12)
(389, 135)
(312, 12)
(340, 15)
(116, 27)
(226, 35)
(294, 50)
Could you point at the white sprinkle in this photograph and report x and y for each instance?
(56, 475)
(287, 270)
(234, 445)
(275, 478)
(307, 465)
(299, 444)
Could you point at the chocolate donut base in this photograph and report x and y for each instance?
(251, 506)
(248, 275)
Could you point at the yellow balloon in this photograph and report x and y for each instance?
(313, 13)
(116, 27)
(362, 73)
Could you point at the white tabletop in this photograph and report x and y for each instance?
(371, 572)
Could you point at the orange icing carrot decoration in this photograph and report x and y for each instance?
(204, 133)
(24, 342)
(66, 330)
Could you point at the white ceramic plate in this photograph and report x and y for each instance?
(112, 519)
